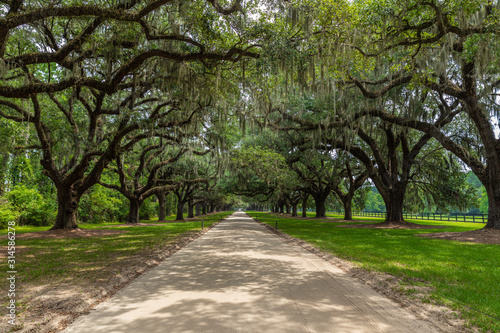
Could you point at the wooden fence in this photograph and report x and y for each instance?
(452, 217)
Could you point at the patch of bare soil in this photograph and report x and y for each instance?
(66, 233)
(19, 250)
(391, 225)
(172, 221)
(415, 299)
(51, 307)
(481, 236)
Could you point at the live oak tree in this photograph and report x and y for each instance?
(165, 204)
(138, 182)
(195, 172)
(384, 62)
(76, 73)
(453, 50)
(390, 153)
(392, 158)
(88, 83)
(352, 175)
(184, 191)
(440, 183)
(256, 171)
(207, 193)
(316, 172)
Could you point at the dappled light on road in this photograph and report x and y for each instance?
(241, 278)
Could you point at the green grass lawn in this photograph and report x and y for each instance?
(466, 273)
(54, 261)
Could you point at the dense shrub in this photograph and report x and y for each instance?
(100, 205)
(149, 209)
(32, 208)
(7, 213)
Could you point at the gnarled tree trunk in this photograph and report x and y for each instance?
(347, 209)
(180, 211)
(67, 203)
(133, 211)
(394, 203)
(320, 205)
(162, 203)
(305, 197)
(190, 209)
(493, 192)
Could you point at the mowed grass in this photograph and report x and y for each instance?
(457, 273)
(73, 260)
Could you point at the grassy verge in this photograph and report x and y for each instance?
(50, 262)
(457, 273)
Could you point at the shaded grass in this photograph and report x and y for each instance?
(456, 272)
(52, 261)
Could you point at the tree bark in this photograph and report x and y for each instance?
(180, 211)
(347, 208)
(320, 205)
(394, 205)
(67, 207)
(168, 206)
(294, 210)
(304, 205)
(162, 203)
(190, 209)
(493, 192)
(133, 211)
(287, 207)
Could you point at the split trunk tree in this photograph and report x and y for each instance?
(347, 186)
(132, 185)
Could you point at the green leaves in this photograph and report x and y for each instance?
(30, 206)
(260, 162)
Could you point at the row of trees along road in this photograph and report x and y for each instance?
(93, 82)
(328, 94)
(392, 85)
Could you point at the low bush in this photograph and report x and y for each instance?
(7, 213)
(31, 207)
(99, 205)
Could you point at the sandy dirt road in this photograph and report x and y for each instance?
(239, 277)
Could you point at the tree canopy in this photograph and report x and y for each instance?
(274, 101)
